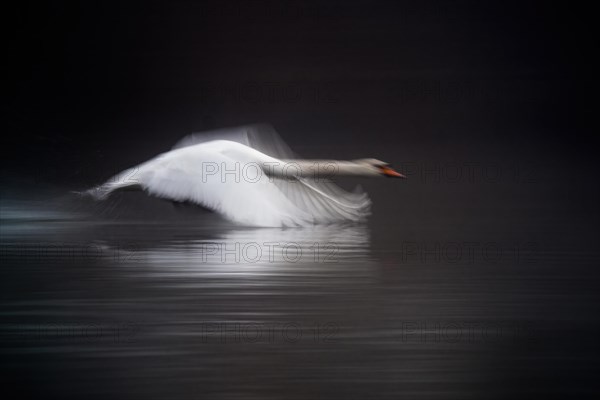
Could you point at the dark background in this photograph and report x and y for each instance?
(93, 88)
(97, 85)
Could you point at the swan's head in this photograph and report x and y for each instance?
(378, 167)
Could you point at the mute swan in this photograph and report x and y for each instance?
(250, 176)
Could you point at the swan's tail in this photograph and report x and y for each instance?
(126, 180)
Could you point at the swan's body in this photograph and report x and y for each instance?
(248, 186)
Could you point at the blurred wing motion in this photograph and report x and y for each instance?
(221, 170)
(261, 137)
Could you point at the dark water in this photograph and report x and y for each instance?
(187, 306)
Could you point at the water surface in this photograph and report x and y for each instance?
(193, 307)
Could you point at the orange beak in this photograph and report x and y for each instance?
(387, 171)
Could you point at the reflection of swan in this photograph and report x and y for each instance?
(250, 176)
(265, 257)
(319, 244)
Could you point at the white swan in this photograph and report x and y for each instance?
(250, 176)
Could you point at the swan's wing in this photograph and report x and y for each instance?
(247, 197)
(325, 202)
(322, 200)
(184, 175)
(261, 137)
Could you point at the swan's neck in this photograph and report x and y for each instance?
(316, 169)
